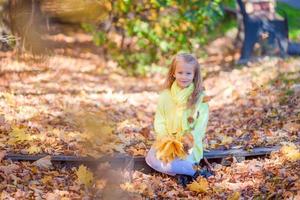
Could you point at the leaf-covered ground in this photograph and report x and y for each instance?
(75, 103)
(274, 178)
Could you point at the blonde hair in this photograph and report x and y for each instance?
(189, 59)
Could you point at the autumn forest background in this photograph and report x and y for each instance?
(81, 78)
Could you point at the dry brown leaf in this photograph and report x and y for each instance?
(2, 155)
(52, 196)
(44, 163)
(292, 127)
(206, 99)
(9, 168)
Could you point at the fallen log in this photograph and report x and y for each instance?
(138, 162)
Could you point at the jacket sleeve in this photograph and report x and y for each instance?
(201, 123)
(160, 118)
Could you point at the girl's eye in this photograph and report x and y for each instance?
(189, 73)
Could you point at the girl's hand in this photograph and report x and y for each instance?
(188, 141)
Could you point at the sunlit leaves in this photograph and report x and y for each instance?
(290, 152)
(167, 27)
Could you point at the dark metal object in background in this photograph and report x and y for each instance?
(277, 30)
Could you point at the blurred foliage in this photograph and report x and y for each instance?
(150, 31)
(293, 19)
(77, 10)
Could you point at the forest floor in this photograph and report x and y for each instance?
(58, 104)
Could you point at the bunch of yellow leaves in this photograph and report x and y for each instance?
(169, 148)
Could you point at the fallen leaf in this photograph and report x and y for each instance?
(145, 132)
(226, 140)
(9, 168)
(2, 120)
(290, 152)
(34, 149)
(84, 176)
(18, 135)
(52, 196)
(292, 127)
(137, 152)
(127, 187)
(206, 99)
(2, 155)
(46, 179)
(199, 186)
(10, 98)
(100, 184)
(234, 196)
(44, 162)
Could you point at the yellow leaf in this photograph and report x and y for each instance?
(34, 149)
(46, 179)
(290, 152)
(10, 99)
(18, 135)
(34, 169)
(234, 196)
(226, 140)
(127, 187)
(199, 186)
(169, 148)
(84, 176)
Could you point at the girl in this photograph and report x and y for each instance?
(181, 111)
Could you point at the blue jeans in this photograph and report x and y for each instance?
(177, 166)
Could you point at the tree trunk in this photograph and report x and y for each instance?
(24, 22)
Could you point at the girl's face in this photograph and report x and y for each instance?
(184, 74)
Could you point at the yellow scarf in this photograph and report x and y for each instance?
(181, 96)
